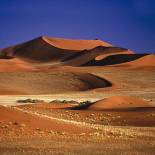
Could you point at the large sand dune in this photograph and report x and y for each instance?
(57, 51)
(37, 50)
(47, 83)
(44, 49)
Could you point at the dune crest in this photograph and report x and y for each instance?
(73, 44)
(117, 51)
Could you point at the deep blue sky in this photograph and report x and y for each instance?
(125, 23)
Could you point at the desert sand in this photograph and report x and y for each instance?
(65, 96)
(13, 65)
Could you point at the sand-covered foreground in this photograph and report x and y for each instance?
(53, 129)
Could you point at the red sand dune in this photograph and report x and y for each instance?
(37, 50)
(44, 49)
(119, 102)
(57, 51)
(75, 44)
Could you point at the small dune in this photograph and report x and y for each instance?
(119, 102)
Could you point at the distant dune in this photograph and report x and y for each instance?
(44, 49)
(118, 102)
(47, 83)
(58, 52)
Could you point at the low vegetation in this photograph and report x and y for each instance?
(64, 101)
(80, 105)
(30, 101)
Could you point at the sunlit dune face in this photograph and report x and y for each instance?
(75, 44)
(119, 102)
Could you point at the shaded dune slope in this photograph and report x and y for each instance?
(145, 61)
(116, 52)
(83, 57)
(37, 50)
(47, 83)
(114, 59)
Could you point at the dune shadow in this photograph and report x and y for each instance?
(82, 106)
(114, 59)
(128, 109)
